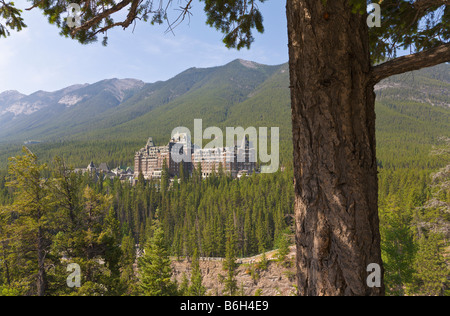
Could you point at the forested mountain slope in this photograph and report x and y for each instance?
(111, 119)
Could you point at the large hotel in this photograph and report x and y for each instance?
(235, 160)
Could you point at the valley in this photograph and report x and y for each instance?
(110, 120)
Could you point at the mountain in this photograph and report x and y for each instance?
(111, 119)
(214, 95)
(40, 114)
(9, 97)
(429, 85)
(106, 104)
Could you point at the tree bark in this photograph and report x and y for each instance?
(399, 65)
(335, 170)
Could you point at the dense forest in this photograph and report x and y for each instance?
(55, 213)
(51, 215)
(414, 208)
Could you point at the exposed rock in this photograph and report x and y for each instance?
(277, 279)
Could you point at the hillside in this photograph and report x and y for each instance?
(109, 120)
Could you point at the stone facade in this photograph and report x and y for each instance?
(150, 160)
(235, 160)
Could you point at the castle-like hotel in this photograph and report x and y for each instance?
(235, 160)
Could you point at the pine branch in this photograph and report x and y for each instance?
(95, 20)
(37, 4)
(422, 5)
(427, 58)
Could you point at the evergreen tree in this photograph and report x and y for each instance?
(249, 242)
(165, 178)
(229, 264)
(431, 270)
(183, 174)
(32, 215)
(284, 250)
(398, 248)
(89, 243)
(155, 269)
(196, 288)
(127, 261)
(141, 180)
(110, 240)
(66, 188)
(183, 289)
(264, 262)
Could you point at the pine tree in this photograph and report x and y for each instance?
(66, 188)
(398, 248)
(155, 269)
(264, 262)
(183, 289)
(110, 240)
(284, 250)
(165, 180)
(229, 264)
(89, 242)
(196, 288)
(183, 174)
(141, 180)
(32, 210)
(249, 242)
(431, 270)
(127, 260)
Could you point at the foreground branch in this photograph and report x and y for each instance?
(87, 25)
(423, 5)
(428, 58)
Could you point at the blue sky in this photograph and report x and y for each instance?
(38, 58)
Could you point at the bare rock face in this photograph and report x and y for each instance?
(278, 279)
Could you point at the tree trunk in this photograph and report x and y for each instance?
(335, 171)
